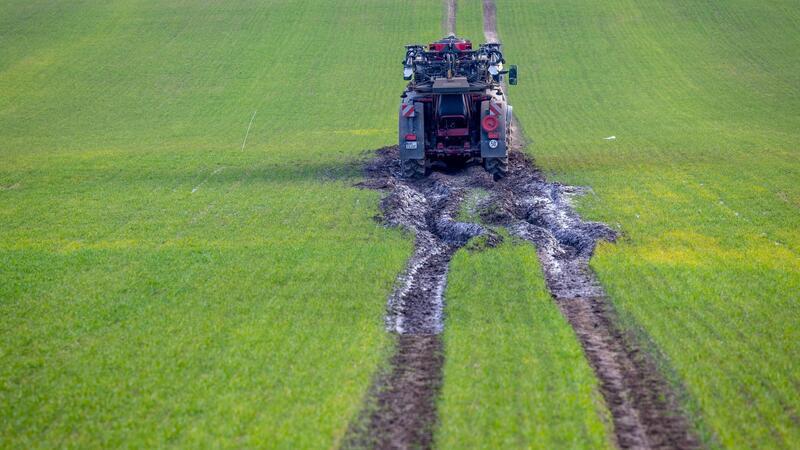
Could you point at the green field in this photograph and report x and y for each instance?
(184, 261)
(162, 282)
(702, 179)
(515, 377)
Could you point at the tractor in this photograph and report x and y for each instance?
(453, 107)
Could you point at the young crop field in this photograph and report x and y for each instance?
(168, 278)
(201, 247)
(703, 99)
(514, 376)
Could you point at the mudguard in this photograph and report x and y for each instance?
(502, 145)
(414, 124)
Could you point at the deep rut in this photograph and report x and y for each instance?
(402, 410)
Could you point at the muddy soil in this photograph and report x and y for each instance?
(425, 207)
(401, 408)
(645, 411)
(401, 412)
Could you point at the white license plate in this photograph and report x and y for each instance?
(411, 145)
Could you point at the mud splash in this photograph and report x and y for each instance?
(541, 212)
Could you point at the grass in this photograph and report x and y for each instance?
(704, 102)
(515, 376)
(162, 282)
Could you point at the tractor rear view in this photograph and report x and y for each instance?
(454, 106)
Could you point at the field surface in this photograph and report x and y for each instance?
(184, 260)
(703, 99)
(167, 277)
(515, 377)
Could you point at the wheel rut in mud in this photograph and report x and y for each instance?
(401, 411)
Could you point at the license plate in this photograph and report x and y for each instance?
(411, 145)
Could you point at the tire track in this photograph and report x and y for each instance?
(400, 411)
(645, 410)
(449, 17)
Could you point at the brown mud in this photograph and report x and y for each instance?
(402, 412)
(401, 405)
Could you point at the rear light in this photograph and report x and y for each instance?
(411, 137)
(490, 123)
(493, 135)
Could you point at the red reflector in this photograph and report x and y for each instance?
(411, 137)
(493, 135)
(490, 123)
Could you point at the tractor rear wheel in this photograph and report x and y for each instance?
(413, 168)
(498, 167)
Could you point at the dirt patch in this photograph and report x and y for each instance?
(646, 413)
(490, 21)
(541, 212)
(449, 17)
(401, 412)
(425, 207)
(644, 408)
(401, 409)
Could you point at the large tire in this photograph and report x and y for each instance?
(498, 167)
(413, 168)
